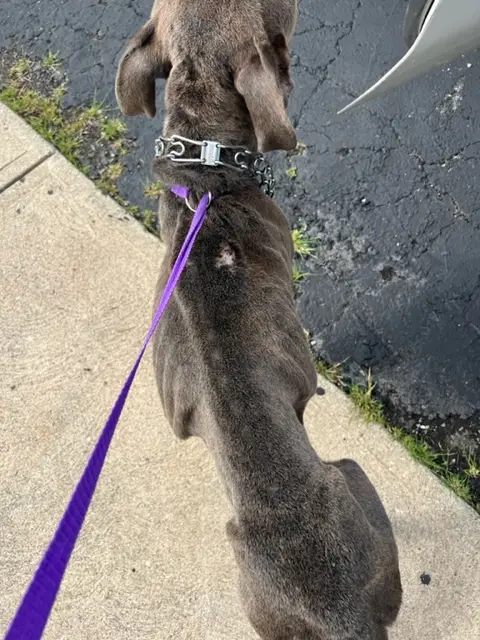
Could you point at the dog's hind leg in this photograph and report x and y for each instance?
(364, 492)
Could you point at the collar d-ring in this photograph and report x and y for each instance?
(194, 209)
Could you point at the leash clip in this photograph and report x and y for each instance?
(192, 207)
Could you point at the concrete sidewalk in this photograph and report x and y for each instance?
(77, 279)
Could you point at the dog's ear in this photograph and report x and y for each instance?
(264, 82)
(141, 64)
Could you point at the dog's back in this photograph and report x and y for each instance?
(315, 548)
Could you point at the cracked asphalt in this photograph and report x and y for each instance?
(389, 193)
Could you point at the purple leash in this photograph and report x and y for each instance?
(34, 610)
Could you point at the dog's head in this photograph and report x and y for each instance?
(250, 88)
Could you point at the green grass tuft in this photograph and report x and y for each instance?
(112, 128)
(458, 485)
(472, 470)
(94, 112)
(362, 397)
(332, 372)
(147, 217)
(107, 183)
(133, 210)
(153, 190)
(303, 246)
(150, 220)
(298, 274)
(19, 69)
(44, 114)
(51, 61)
(420, 450)
(292, 172)
(66, 129)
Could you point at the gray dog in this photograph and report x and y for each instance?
(313, 543)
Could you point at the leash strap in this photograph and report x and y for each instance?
(34, 610)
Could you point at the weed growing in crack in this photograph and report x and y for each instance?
(51, 61)
(332, 372)
(370, 408)
(458, 485)
(298, 274)
(292, 172)
(153, 191)
(473, 469)
(303, 247)
(300, 150)
(420, 450)
(112, 128)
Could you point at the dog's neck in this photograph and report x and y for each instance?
(231, 136)
(221, 118)
(218, 114)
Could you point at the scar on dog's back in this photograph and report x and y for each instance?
(226, 257)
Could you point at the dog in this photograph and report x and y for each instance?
(316, 554)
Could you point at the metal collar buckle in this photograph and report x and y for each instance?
(212, 155)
